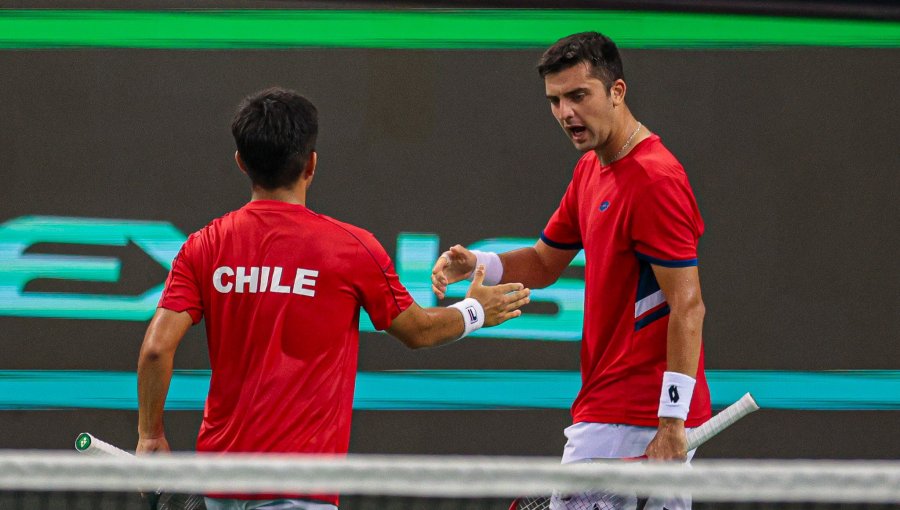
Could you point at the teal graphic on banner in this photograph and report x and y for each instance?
(160, 240)
(838, 390)
(415, 255)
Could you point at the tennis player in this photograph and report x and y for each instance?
(630, 207)
(281, 287)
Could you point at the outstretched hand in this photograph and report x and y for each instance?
(500, 302)
(453, 265)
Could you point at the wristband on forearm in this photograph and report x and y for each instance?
(472, 314)
(493, 267)
(675, 397)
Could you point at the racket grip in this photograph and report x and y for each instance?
(90, 445)
(744, 406)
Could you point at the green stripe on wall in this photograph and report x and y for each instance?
(850, 390)
(425, 29)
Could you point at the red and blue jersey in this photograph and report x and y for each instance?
(281, 288)
(638, 211)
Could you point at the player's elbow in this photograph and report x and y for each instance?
(690, 307)
(153, 352)
(546, 279)
(149, 355)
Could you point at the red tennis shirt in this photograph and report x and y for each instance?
(281, 288)
(638, 211)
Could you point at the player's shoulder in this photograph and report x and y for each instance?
(202, 242)
(209, 231)
(586, 163)
(342, 228)
(213, 229)
(351, 234)
(367, 246)
(587, 159)
(656, 163)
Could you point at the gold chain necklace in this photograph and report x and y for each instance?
(627, 144)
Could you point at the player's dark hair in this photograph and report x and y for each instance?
(275, 132)
(594, 48)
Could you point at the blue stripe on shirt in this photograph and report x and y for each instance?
(666, 263)
(651, 317)
(560, 246)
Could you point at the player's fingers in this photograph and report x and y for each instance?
(441, 263)
(517, 295)
(518, 300)
(478, 276)
(439, 279)
(506, 288)
(437, 291)
(503, 317)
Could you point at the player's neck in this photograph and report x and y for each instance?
(295, 195)
(625, 136)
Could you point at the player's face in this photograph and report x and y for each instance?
(582, 105)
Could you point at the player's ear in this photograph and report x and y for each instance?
(617, 92)
(309, 170)
(240, 162)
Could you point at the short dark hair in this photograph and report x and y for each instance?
(275, 132)
(594, 48)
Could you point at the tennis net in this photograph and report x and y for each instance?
(50, 480)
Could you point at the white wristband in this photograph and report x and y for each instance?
(472, 314)
(493, 267)
(675, 397)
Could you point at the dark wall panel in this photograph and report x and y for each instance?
(791, 153)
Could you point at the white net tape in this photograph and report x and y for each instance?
(429, 476)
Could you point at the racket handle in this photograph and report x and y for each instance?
(744, 406)
(90, 445)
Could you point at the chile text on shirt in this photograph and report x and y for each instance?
(257, 279)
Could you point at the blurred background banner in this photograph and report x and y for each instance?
(425, 29)
(434, 130)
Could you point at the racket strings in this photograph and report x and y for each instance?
(586, 500)
(168, 501)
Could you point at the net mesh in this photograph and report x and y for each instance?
(44, 480)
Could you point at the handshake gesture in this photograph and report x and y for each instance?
(501, 302)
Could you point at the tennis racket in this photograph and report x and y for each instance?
(90, 445)
(599, 500)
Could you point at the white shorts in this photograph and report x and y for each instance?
(266, 504)
(612, 441)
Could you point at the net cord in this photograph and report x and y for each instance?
(457, 476)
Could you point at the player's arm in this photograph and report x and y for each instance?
(428, 327)
(535, 267)
(681, 287)
(154, 375)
